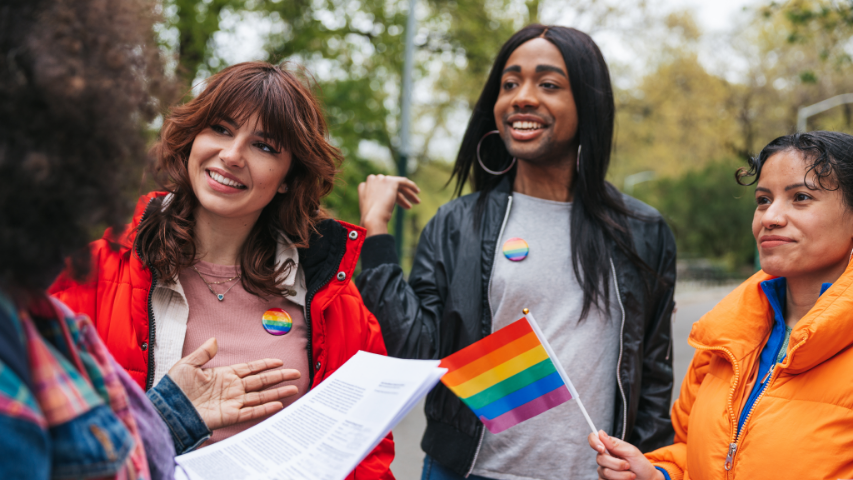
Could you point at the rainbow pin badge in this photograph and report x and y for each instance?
(516, 249)
(277, 322)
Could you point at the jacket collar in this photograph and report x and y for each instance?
(315, 265)
(741, 322)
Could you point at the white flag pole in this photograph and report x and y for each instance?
(559, 366)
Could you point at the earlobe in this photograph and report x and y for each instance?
(282, 188)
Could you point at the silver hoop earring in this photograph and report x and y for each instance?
(480, 160)
(578, 164)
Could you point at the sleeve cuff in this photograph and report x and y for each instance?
(664, 472)
(378, 250)
(185, 424)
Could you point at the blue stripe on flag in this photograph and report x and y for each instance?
(520, 397)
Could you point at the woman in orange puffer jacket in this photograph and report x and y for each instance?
(769, 392)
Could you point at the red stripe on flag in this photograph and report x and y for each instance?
(508, 334)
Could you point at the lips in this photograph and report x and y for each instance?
(772, 241)
(223, 182)
(525, 127)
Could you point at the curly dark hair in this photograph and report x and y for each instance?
(829, 158)
(79, 81)
(289, 110)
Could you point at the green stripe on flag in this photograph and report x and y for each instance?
(511, 384)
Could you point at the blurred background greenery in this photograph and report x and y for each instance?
(692, 105)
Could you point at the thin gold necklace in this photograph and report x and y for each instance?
(214, 283)
(219, 296)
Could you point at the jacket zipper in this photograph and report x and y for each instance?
(733, 446)
(488, 291)
(149, 382)
(152, 331)
(308, 299)
(619, 361)
(729, 404)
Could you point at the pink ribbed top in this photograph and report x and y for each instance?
(236, 323)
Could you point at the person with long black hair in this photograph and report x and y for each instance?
(542, 230)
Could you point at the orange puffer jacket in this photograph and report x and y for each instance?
(801, 427)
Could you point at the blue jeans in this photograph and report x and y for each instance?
(436, 471)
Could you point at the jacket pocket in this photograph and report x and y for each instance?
(95, 444)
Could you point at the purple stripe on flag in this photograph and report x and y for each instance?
(528, 410)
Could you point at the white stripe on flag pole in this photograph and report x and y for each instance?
(559, 366)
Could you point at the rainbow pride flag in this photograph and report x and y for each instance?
(507, 377)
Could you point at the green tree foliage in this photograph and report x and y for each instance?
(684, 115)
(676, 119)
(710, 213)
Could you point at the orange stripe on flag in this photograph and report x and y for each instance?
(472, 352)
(488, 362)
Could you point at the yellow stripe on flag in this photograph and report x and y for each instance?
(487, 362)
(501, 372)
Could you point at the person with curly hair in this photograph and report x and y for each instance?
(238, 246)
(768, 393)
(73, 91)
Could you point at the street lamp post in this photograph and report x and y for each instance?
(805, 112)
(632, 180)
(405, 121)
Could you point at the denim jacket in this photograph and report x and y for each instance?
(67, 410)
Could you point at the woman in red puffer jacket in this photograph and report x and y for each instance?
(238, 248)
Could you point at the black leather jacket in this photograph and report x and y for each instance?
(445, 307)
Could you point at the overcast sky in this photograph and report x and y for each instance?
(242, 39)
(245, 39)
(714, 15)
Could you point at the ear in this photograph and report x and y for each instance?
(282, 188)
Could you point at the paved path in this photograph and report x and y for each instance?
(692, 303)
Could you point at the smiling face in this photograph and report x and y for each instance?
(800, 232)
(235, 170)
(535, 111)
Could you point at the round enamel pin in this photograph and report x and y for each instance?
(277, 322)
(516, 249)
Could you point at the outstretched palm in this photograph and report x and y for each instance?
(224, 396)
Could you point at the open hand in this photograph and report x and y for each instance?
(224, 396)
(618, 460)
(377, 196)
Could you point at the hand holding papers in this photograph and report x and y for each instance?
(326, 433)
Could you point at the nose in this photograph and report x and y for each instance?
(232, 154)
(774, 217)
(525, 96)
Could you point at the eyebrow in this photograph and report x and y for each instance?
(550, 68)
(258, 133)
(539, 69)
(789, 187)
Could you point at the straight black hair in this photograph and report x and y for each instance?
(829, 156)
(598, 213)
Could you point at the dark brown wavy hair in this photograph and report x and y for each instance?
(79, 81)
(289, 111)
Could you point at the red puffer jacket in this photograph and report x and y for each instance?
(117, 297)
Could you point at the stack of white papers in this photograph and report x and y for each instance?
(326, 433)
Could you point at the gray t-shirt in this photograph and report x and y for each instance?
(554, 444)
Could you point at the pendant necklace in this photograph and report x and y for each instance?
(219, 296)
